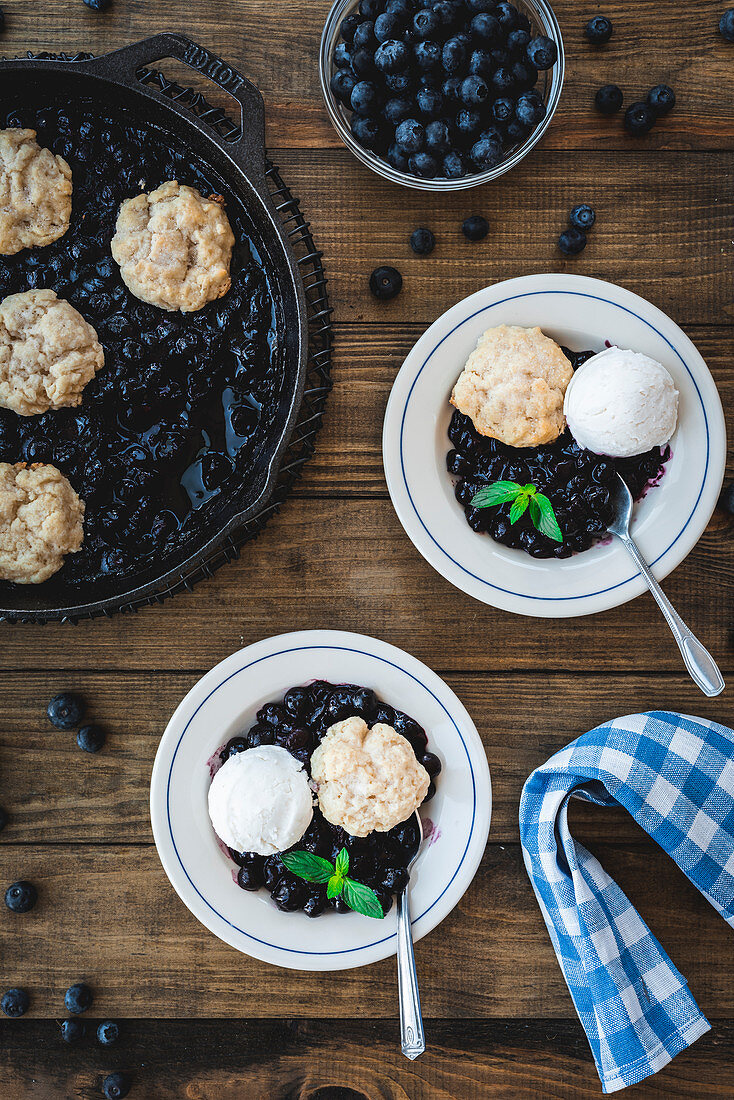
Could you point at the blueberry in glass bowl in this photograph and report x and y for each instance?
(298, 723)
(458, 91)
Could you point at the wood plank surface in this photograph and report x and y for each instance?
(276, 45)
(342, 1060)
(108, 916)
(55, 794)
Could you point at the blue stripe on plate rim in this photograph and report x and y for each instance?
(493, 305)
(244, 668)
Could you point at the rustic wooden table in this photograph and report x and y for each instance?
(199, 1020)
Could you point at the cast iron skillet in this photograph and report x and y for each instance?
(240, 162)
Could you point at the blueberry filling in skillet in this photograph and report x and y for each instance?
(179, 414)
(299, 723)
(578, 483)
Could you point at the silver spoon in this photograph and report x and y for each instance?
(699, 662)
(412, 1037)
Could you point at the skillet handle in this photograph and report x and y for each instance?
(122, 65)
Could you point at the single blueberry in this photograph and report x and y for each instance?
(348, 26)
(116, 1085)
(518, 41)
(572, 241)
(397, 158)
(582, 216)
(422, 241)
(385, 282)
(108, 1032)
(430, 102)
(608, 99)
(438, 139)
(388, 25)
(369, 9)
(342, 56)
(598, 30)
(475, 228)
(410, 136)
(726, 25)
(474, 91)
(423, 164)
(90, 738)
(364, 98)
(468, 123)
(661, 99)
(528, 111)
(447, 13)
(366, 131)
(78, 998)
(364, 36)
(502, 110)
(400, 83)
(427, 55)
(98, 5)
(396, 110)
(21, 896)
(72, 1030)
(510, 18)
(486, 153)
(363, 64)
(486, 29)
(453, 55)
(502, 81)
(481, 63)
(15, 1002)
(542, 52)
(639, 119)
(65, 711)
(391, 56)
(453, 166)
(450, 89)
(425, 24)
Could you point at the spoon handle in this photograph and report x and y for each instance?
(699, 662)
(412, 1038)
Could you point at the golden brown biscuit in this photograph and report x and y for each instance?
(174, 247)
(35, 193)
(513, 386)
(41, 520)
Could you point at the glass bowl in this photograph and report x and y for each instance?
(549, 85)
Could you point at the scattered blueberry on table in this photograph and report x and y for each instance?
(65, 711)
(599, 30)
(386, 283)
(441, 89)
(21, 896)
(475, 228)
(98, 5)
(78, 998)
(108, 1033)
(661, 99)
(639, 119)
(72, 1030)
(582, 216)
(422, 241)
(90, 738)
(115, 1086)
(608, 100)
(726, 25)
(14, 1002)
(572, 241)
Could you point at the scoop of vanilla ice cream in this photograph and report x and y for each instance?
(621, 403)
(260, 801)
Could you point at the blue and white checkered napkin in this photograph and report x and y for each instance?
(675, 776)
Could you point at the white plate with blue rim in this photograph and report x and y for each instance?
(580, 313)
(224, 703)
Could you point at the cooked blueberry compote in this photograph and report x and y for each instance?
(298, 723)
(577, 482)
(179, 412)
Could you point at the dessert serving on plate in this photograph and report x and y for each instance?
(315, 802)
(537, 447)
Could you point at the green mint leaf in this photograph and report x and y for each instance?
(529, 489)
(307, 866)
(499, 492)
(362, 899)
(544, 518)
(519, 505)
(335, 886)
(342, 863)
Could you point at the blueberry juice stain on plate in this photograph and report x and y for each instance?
(178, 415)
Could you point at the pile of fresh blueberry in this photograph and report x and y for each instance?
(440, 88)
(298, 723)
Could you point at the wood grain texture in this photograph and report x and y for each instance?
(108, 916)
(56, 794)
(341, 1060)
(277, 48)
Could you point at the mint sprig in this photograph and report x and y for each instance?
(523, 497)
(313, 868)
